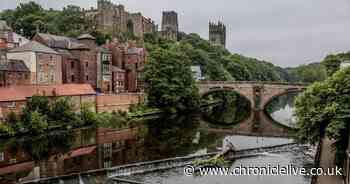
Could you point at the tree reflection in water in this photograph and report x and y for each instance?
(233, 108)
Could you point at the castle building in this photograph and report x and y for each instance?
(114, 19)
(217, 33)
(9, 39)
(170, 25)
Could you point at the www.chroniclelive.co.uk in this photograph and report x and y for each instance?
(268, 170)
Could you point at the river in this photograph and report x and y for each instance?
(60, 154)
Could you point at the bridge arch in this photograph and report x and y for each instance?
(267, 98)
(230, 89)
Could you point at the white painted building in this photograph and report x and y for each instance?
(345, 64)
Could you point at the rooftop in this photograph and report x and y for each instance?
(62, 42)
(20, 93)
(13, 65)
(34, 46)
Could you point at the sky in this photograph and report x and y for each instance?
(283, 32)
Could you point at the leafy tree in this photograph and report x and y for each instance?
(38, 123)
(307, 73)
(332, 62)
(323, 109)
(62, 113)
(170, 82)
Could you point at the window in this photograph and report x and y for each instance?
(13, 160)
(72, 64)
(51, 57)
(52, 78)
(87, 64)
(73, 78)
(2, 156)
(87, 77)
(26, 76)
(11, 105)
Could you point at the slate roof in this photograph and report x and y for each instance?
(34, 46)
(62, 42)
(86, 36)
(13, 65)
(21, 93)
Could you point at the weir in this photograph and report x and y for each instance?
(114, 175)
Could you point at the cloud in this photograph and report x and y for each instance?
(284, 32)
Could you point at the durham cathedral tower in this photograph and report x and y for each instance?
(217, 33)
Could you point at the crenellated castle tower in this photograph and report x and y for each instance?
(170, 25)
(114, 19)
(217, 33)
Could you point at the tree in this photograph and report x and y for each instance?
(171, 85)
(62, 113)
(38, 123)
(322, 111)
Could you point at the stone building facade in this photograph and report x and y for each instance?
(44, 63)
(13, 72)
(114, 19)
(80, 57)
(170, 25)
(217, 33)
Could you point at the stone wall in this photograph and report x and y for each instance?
(110, 103)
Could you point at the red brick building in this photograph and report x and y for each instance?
(131, 59)
(14, 98)
(13, 72)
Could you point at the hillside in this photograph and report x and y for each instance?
(216, 62)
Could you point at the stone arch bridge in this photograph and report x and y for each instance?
(259, 94)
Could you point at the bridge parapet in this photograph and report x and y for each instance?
(252, 90)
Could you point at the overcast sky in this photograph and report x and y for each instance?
(284, 32)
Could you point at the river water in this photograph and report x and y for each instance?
(63, 153)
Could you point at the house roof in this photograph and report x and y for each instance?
(20, 93)
(34, 46)
(86, 36)
(117, 69)
(62, 42)
(4, 26)
(13, 65)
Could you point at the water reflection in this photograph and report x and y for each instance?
(233, 108)
(281, 109)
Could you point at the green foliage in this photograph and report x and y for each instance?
(28, 16)
(323, 110)
(38, 123)
(216, 62)
(332, 62)
(171, 85)
(308, 73)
